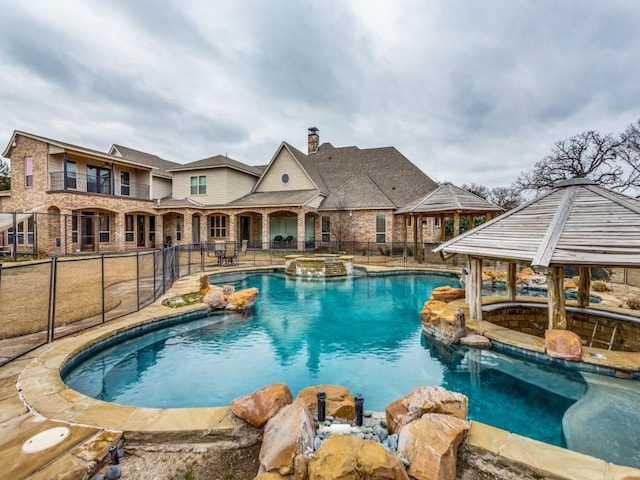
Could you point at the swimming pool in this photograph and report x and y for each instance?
(363, 333)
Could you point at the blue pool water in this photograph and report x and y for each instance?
(363, 333)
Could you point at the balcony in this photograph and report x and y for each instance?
(102, 185)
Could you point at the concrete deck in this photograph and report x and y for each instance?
(33, 398)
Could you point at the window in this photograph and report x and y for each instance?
(104, 228)
(28, 172)
(436, 221)
(381, 228)
(326, 229)
(71, 175)
(74, 228)
(152, 228)
(128, 227)
(285, 178)
(98, 180)
(408, 222)
(21, 233)
(218, 226)
(125, 184)
(178, 228)
(30, 230)
(199, 185)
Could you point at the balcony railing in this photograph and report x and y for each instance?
(80, 182)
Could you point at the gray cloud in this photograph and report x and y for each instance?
(470, 91)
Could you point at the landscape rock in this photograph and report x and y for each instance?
(215, 298)
(447, 293)
(348, 457)
(442, 321)
(228, 289)
(288, 433)
(259, 406)
(301, 467)
(424, 400)
(269, 476)
(339, 401)
(242, 299)
(563, 344)
(430, 444)
(475, 341)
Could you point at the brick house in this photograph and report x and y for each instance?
(86, 200)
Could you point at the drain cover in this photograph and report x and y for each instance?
(45, 439)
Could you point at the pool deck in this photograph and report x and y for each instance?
(33, 398)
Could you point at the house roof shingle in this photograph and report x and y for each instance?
(138, 156)
(217, 161)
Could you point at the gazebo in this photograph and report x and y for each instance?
(577, 223)
(446, 201)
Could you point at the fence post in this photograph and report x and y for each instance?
(52, 299)
(103, 295)
(189, 260)
(164, 266)
(154, 274)
(138, 279)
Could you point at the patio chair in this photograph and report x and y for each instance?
(219, 249)
(277, 241)
(243, 248)
(230, 252)
(288, 241)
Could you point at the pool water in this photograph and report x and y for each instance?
(363, 333)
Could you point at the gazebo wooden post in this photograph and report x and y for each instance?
(442, 230)
(421, 248)
(456, 224)
(556, 303)
(475, 277)
(404, 231)
(415, 236)
(511, 282)
(584, 286)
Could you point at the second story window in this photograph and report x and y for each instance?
(71, 175)
(98, 180)
(28, 172)
(199, 185)
(125, 184)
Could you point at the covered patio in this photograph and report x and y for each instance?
(575, 224)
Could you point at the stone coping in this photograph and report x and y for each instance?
(44, 393)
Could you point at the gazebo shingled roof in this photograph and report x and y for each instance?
(577, 223)
(448, 198)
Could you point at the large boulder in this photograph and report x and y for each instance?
(442, 321)
(430, 444)
(447, 293)
(259, 406)
(347, 457)
(339, 402)
(242, 299)
(423, 400)
(563, 344)
(215, 298)
(288, 433)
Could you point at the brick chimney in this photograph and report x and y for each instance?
(314, 140)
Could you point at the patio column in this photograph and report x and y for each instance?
(415, 237)
(300, 231)
(421, 249)
(404, 232)
(475, 302)
(584, 285)
(265, 231)
(556, 304)
(511, 282)
(118, 231)
(232, 227)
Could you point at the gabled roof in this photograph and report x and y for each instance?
(576, 223)
(218, 161)
(276, 199)
(72, 148)
(397, 180)
(305, 163)
(145, 158)
(449, 198)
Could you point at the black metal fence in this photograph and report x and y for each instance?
(43, 300)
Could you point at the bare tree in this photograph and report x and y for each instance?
(341, 227)
(600, 158)
(505, 197)
(480, 190)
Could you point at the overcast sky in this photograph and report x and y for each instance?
(469, 90)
